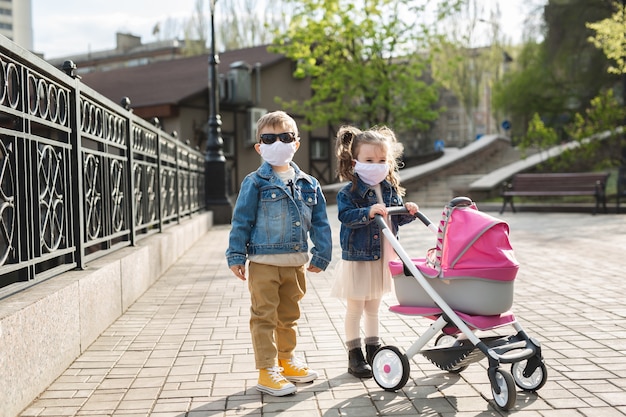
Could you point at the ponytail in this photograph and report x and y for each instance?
(345, 152)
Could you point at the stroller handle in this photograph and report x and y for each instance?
(460, 201)
(402, 210)
(457, 201)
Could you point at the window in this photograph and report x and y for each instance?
(254, 114)
(319, 149)
(229, 145)
(137, 62)
(452, 117)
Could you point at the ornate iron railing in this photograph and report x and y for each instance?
(80, 176)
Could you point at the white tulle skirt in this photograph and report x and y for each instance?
(361, 280)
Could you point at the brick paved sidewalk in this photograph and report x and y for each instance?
(183, 349)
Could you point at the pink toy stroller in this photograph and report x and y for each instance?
(464, 284)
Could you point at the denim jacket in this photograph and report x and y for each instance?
(360, 236)
(271, 217)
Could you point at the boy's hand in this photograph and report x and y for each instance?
(239, 271)
(378, 209)
(412, 208)
(315, 269)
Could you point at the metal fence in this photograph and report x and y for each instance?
(80, 176)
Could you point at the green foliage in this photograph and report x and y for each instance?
(464, 68)
(362, 61)
(196, 29)
(529, 90)
(604, 114)
(539, 135)
(603, 117)
(610, 37)
(460, 69)
(560, 76)
(588, 129)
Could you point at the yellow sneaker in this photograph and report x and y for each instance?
(295, 370)
(272, 382)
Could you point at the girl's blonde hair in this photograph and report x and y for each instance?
(350, 139)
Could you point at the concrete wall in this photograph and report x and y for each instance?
(46, 327)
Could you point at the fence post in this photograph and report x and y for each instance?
(76, 166)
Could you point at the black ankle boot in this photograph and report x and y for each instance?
(370, 350)
(357, 365)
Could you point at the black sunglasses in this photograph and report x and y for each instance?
(286, 137)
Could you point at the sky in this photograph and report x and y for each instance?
(68, 27)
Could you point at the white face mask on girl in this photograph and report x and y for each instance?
(278, 153)
(371, 174)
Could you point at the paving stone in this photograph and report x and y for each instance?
(184, 350)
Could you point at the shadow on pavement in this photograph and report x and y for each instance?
(421, 396)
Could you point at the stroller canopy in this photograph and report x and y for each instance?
(471, 243)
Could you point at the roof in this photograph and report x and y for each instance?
(114, 54)
(170, 82)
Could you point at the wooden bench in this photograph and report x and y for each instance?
(556, 185)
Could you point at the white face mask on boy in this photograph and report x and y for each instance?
(278, 153)
(371, 174)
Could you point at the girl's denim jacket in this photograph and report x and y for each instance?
(361, 236)
(271, 217)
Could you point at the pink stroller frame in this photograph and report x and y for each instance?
(464, 284)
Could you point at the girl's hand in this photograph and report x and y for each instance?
(412, 208)
(239, 271)
(378, 209)
(312, 268)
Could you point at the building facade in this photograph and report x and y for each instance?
(16, 22)
(129, 51)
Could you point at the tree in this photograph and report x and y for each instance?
(246, 23)
(527, 90)
(363, 61)
(578, 67)
(604, 115)
(170, 28)
(464, 66)
(238, 24)
(610, 37)
(595, 131)
(560, 76)
(196, 29)
(539, 135)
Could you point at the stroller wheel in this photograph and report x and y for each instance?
(533, 382)
(506, 398)
(390, 368)
(445, 340)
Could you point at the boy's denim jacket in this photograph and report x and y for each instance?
(271, 217)
(361, 236)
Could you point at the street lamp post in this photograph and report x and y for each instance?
(214, 161)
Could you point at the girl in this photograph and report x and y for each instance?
(368, 159)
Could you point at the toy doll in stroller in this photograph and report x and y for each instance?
(464, 284)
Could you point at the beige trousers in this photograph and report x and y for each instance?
(275, 292)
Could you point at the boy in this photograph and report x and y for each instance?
(278, 208)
